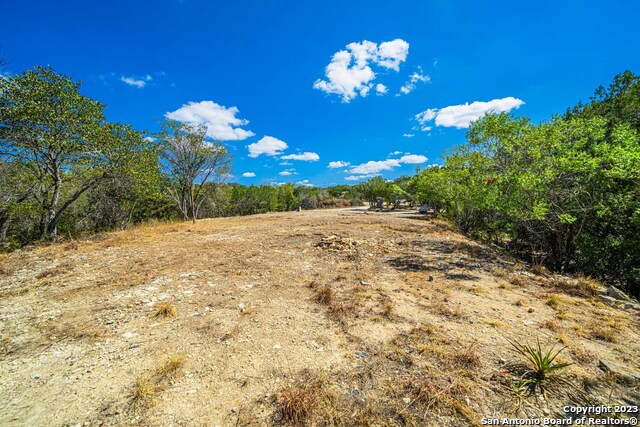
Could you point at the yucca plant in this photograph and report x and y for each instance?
(541, 363)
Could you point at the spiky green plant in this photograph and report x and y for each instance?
(541, 363)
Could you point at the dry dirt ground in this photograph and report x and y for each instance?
(333, 317)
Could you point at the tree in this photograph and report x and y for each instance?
(62, 139)
(192, 161)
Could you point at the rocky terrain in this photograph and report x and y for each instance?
(328, 317)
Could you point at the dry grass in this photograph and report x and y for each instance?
(147, 385)
(581, 355)
(170, 366)
(556, 301)
(143, 390)
(387, 307)
(443, 309)
(539, 269)
(468, 358)
(496, 324)
(517, 280)
(298, 404)
(324, 295)
(165, 309)
(551, 324)
(604, 333)
(5, 271)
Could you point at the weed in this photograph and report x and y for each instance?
(496, 324)
(165, 309)
(467, 358)
(541, 364)
(170, 366)
(143, 389)
(555, 301)
(324, 295)
(298, 403)
(604, 333)
(588, 286)
(387, 308)
(517, 280)
(539, 269)
(246, 310)
(581, 355)
(148, 384)
(551, 324)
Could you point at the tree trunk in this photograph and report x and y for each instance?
(5, 219)
(52, 226)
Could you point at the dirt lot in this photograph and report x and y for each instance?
(333, 317)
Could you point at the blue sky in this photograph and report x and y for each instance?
(268, 75)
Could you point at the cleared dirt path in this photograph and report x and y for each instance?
(266, 300)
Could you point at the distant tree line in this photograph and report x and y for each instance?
(66, 170)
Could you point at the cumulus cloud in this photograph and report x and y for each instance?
(408, 135)
(249, 174)
(381, 89)
(221, 122)
(374, 167)
(338, 164)
(349, 73)
(461, 116)
(414, 79)
(268, 145)
(288, 172)
(413, 159)
(137, 82)
(305, 157)
(304, 183)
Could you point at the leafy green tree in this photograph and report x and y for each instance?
(62, 138)
(192, 161)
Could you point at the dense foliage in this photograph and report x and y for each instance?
(563, 193)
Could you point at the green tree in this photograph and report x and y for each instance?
(192, 161)
(62, 139)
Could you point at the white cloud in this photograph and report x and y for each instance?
(139, 83)
(288, 172)
(395, 153)
(338, 164)
(249, 174)
(349, 74)
(221, 122)
(358, 177)
(267, 145)
(305, 157)
(373, 168)
(391, 54)
(149, 139)
(408, 135)
(285, 163)
(304, 183)
(413, 159)
(381, 89)
(461, 116)
(416, 77)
